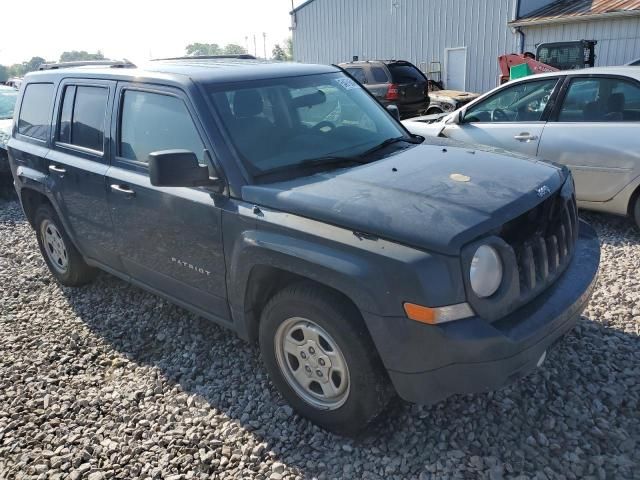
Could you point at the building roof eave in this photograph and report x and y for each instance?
(301, 6)
(530, 22)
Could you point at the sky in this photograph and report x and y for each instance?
(137, 29)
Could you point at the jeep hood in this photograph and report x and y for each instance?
(434, 196)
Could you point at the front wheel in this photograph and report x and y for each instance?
(320, 357)
(61, 256)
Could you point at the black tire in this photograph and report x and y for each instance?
(77, 272)
(369, 387)
(636, 211)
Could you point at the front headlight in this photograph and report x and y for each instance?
(485, 273)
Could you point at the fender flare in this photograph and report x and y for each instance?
(335, 269)
(307, 259)
(36, 181)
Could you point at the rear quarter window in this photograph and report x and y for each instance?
(35, 111)
(379, 75)
(357, 73)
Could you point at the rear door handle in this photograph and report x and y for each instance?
(525, 137)
(56, 169)
(123, 189)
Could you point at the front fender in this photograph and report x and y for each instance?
(314, 261)
(377, 275)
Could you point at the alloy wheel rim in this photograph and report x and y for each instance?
(54, 246)
(312, 363)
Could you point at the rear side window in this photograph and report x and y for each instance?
(82, 117)
(601, 100)
(35, 111)
(152, 122)
(405, 73)
(379, 75)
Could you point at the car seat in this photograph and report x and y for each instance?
(615, 107)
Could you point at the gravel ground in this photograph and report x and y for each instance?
(108, 381)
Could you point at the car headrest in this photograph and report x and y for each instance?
(591, 111)
(247, 103)
(615, 102)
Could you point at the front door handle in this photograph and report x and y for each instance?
(525, 137)
(56, 169)
(123, 189)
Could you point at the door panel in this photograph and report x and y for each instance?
(456, 73)
(76, 172)
(595, 132)
(170, 238)
(601, 156)
(512, 118)
(522, 138)
(78, 186)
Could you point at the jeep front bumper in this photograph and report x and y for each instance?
(428, 363)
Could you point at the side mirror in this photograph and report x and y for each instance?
(178, 168)
(393, 110)
(456, 117)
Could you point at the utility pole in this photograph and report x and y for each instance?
(264, 44)
(255, 46)
(246, 42)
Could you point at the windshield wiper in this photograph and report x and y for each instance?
(386, 143)
(313, 163)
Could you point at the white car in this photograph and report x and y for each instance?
(588, 120)
(8, 97)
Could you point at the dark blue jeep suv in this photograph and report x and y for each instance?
(284, 202)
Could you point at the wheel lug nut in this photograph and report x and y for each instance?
(307, 368)
(312, 350)
(303, 355)
(321, 362)
(319, 373)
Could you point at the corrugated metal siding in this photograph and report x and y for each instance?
(333, 31)
(618, 39)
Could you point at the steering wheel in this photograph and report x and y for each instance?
(498, 115)
(323, 126)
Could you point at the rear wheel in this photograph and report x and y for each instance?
(61, 256)
(636, 211)
(319, 356)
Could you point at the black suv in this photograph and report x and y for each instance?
(282, 201)
(393, 82)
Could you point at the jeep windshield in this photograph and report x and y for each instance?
(299, 125)
(8, 98)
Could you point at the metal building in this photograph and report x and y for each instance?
(458, 41)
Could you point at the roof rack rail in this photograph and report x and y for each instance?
(240, 56)
(85, 63)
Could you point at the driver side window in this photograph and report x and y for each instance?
(523, 102)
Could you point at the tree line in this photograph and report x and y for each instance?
(279, 52)
(21, 69)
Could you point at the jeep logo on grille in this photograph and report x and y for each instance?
(543, 191)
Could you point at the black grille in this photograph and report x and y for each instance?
(543, 241)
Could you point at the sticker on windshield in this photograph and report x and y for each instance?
(346, 83)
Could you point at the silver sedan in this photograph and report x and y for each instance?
(588, 120)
